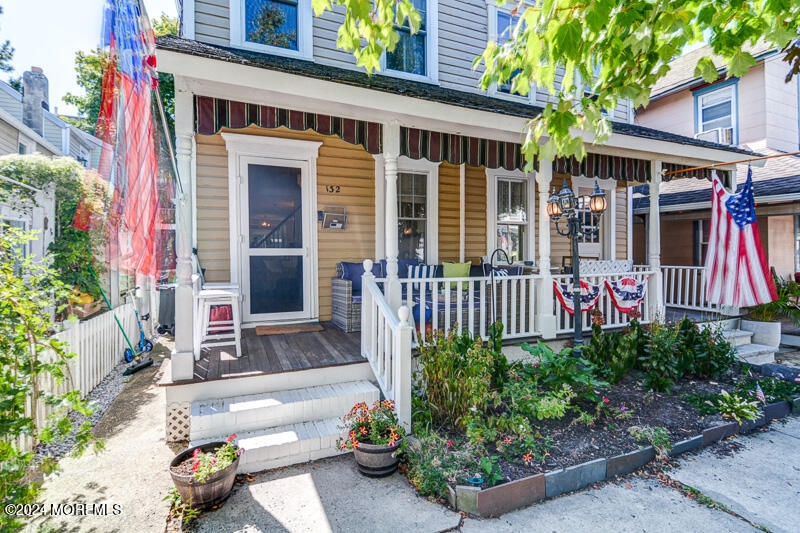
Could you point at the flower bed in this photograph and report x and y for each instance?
(559, 422)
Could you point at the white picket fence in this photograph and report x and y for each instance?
(99, 345)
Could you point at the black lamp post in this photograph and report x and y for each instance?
(565, 204)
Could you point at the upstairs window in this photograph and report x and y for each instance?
(506, 22)
(281, 27)
(715, 111)
(272, 22)
(410, 55)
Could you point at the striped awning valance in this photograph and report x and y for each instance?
(457, 149)
(701, 173)
(213, 114)
(604, 166)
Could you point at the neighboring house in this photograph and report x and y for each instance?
(758, 111)
(295, 160)
(26, 127)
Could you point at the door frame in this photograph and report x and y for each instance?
(290, 151)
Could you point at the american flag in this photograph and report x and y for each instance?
(129, 157)
(760, 394)
(736, 265)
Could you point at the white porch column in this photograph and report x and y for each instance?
(655, 287)
(545, 318)
(391, 152)
(183, 354)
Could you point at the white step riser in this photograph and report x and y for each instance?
(738, 337)
(279, 409)
(790, 340)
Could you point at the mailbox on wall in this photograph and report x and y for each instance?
(333, 218)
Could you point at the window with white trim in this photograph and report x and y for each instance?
(412, 215)
(506, 22)
(282, 27)
(26, 145)
(716, 110)
(512, 217)
(413, 55)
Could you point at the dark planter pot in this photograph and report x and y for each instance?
(216, 488)
(377, 461)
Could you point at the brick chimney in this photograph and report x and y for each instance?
(34, 99)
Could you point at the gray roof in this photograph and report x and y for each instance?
(409, 88)
(778, 177)
(681, 73)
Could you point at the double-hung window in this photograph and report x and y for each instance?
(412, 215)
(506, 22)
(715, 109)
(281, 27)
(512, 217)
(415, 55)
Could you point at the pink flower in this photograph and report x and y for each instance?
(450, 444)
(507, 440)
(605, 400)
(230, 437)
(196, 453)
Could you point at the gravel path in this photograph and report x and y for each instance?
(100, 399)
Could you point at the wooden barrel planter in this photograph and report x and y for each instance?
(377, 461)
(216, 488)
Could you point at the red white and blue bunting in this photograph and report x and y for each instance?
(627, 293)
(589, 295)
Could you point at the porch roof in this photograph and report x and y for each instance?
(404, 87)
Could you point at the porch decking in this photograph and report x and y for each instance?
(272, 354)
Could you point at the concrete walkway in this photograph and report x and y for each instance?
(131, 472)
(761, 482)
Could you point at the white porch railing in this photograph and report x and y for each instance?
(99, 346)
(386, 344)
(466, 303)
(613, 318)
(685, 288)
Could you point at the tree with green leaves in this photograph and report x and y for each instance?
(89, 67)
(607, 50)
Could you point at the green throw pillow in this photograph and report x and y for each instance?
(457, 270)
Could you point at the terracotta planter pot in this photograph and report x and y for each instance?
(377, 461)
(766, 333)
(215, 490)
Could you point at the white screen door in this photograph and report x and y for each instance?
(275, 243)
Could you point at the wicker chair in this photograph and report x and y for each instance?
(345, 299)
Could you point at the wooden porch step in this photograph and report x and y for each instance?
(221, 417)
(756, 354)
(738, 337)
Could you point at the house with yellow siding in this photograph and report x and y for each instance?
(325, 208)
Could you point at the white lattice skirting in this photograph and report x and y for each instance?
(179, 421)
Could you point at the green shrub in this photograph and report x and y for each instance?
(554, 370)
(661, 362)
(656, 436)
(703, 402)
(437, 461)
(455, 376)
(707, 352)
(615, 353)
(27, 290)
(774, 389)
(735, 407)
(525, 397)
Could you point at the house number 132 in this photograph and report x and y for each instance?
(335, 189)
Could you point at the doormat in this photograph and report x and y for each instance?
(288, 329)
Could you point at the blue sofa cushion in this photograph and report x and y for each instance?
(502, 270)
(354, 271)
(402, 267)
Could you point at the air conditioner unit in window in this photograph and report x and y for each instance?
(717, 135)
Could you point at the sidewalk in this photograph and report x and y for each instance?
(130, 472)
